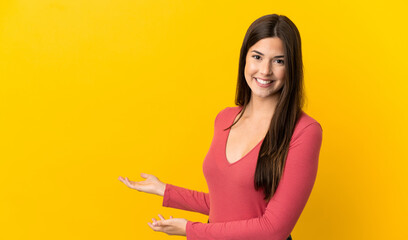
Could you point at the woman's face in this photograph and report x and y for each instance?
(265, 61)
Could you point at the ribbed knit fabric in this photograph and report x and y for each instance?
(236, 210)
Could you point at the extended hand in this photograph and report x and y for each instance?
(171, 226)
(151, 185)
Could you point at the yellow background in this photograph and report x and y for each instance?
(93, 90)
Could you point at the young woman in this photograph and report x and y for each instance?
(262, 162)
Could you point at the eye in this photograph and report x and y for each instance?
(280, 61)
(255, 56)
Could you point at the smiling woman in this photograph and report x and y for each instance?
(264, 151)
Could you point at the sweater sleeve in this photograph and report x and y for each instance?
(186, 199)
(285, 207)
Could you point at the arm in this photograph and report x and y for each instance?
(186, 199)
(288, 202)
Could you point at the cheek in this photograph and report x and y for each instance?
(280, 73)
(250, 68)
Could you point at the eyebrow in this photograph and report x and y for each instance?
(280, 56)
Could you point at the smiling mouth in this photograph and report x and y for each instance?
(263, 81)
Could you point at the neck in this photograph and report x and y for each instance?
(261, 108)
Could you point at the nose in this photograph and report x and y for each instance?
(266, 68)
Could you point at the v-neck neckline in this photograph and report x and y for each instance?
(226, 141)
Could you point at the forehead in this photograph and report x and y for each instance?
(268, 46)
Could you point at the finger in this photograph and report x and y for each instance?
(153, 227)
(124, 181)
(132, 183)
(171, 216)
(161, 217)
(163, 222)
(128, 183)
(154, 222)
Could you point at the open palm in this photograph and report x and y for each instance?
(151, 185)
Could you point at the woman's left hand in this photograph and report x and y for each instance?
(171, 226)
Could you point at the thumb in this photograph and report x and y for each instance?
(144, 175)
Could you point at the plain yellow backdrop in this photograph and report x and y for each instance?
(93, 90)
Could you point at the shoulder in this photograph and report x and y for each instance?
(307, 128)
(228, 111)
(305, 121)
(224, 115)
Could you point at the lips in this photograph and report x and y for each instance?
(263, 84)
(265, 79)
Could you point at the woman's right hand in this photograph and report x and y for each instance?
(151, 185)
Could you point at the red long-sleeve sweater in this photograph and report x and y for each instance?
(236, 210)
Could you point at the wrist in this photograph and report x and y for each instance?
(162, 189)
(185, 229)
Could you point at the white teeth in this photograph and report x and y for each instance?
(262, 81)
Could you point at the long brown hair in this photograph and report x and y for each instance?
(275, 147)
